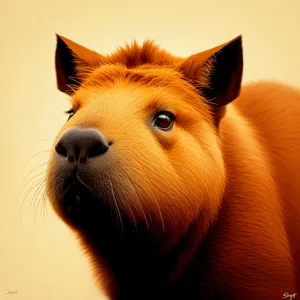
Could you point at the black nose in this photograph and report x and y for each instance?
(79, 144)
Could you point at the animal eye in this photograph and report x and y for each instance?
(164, 121)
(70, 113)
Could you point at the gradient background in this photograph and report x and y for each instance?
(39, 257)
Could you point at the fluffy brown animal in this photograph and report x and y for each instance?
(180, 183)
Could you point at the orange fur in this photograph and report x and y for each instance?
(210, 209)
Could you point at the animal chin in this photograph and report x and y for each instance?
(78, 202)
(87, 210)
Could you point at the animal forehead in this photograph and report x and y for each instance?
(147, 75)
(133, 103)
(147, 81)
(131, 97)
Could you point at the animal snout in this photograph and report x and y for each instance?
(81, 144)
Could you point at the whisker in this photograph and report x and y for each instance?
(155, 196)
(30, 180)
(117, 206)
(26, 195)
(36, 154)
(44, 201)
(45, 140)
(36, 198)
(134, 221)
(140, 202)
(33, 186)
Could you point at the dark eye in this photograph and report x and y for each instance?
(164, 121)
(70, 113)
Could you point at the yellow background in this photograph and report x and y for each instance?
(41, 260)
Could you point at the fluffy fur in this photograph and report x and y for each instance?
(207, 210)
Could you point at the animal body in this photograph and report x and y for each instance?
(180, 182)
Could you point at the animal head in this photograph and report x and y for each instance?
(140, 150)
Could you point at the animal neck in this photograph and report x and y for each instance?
(137, 262)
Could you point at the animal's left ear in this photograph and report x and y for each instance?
(73, 62)
(217, 74)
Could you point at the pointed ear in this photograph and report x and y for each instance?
(73, 62)
(217, 74)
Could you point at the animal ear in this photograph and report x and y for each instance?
(73, 62)
(217, 74)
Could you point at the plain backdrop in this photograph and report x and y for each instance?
(39, 257)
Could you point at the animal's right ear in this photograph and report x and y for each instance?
(73, 62)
